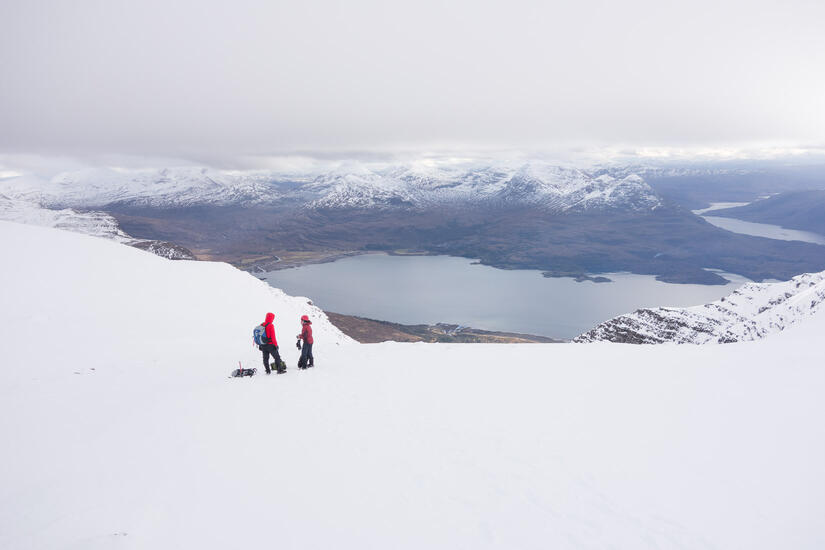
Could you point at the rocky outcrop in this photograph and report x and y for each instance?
(165, 249)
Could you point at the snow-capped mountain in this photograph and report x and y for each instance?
(751, 312)
(549, 187)
(575, 190)
(413, 185)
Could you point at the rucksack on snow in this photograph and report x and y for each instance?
(259, 335)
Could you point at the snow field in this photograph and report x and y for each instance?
(380, 446)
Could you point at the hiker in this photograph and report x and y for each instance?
(306, 360)
(270, 347)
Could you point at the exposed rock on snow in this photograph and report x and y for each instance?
(163, 249)
(749, 313)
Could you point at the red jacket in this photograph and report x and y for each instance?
(306, 333)
(270, 328)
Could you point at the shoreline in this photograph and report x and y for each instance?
(277, 261)
(373, 331)
(290, 259)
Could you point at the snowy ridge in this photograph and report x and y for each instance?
(167, 187)
(413, 185)
(575, 190)
(95, 224)
(105, 277)
(550, 187)
(751, 312)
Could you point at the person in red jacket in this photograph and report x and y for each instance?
(307, 360)
(271, 347)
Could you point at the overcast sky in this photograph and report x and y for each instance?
(200, 77)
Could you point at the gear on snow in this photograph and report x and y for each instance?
(240, 372)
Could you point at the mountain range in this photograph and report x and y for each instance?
(520, 215)
(553, 188)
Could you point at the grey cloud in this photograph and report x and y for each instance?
(213, 79)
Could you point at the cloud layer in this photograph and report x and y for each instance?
(254, 77)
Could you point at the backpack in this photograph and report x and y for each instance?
(259, 335)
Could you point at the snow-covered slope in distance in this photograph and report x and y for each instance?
(753, 311)
(94, 223)
(412, 185)
(97, 224)
(122, 429)
(165, 187)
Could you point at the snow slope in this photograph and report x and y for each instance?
(122, 430)
(752, 311)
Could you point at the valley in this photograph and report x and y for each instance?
(566, 222)
(672, 244)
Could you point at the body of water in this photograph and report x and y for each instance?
(433, 289)
(766, 230)
(719, 206)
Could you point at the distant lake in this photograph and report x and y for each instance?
(765, 230)
(433, 289)
(757, 229)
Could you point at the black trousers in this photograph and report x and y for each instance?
(306, 355)
(267, 350)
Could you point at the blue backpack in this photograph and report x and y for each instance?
(259, 335)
